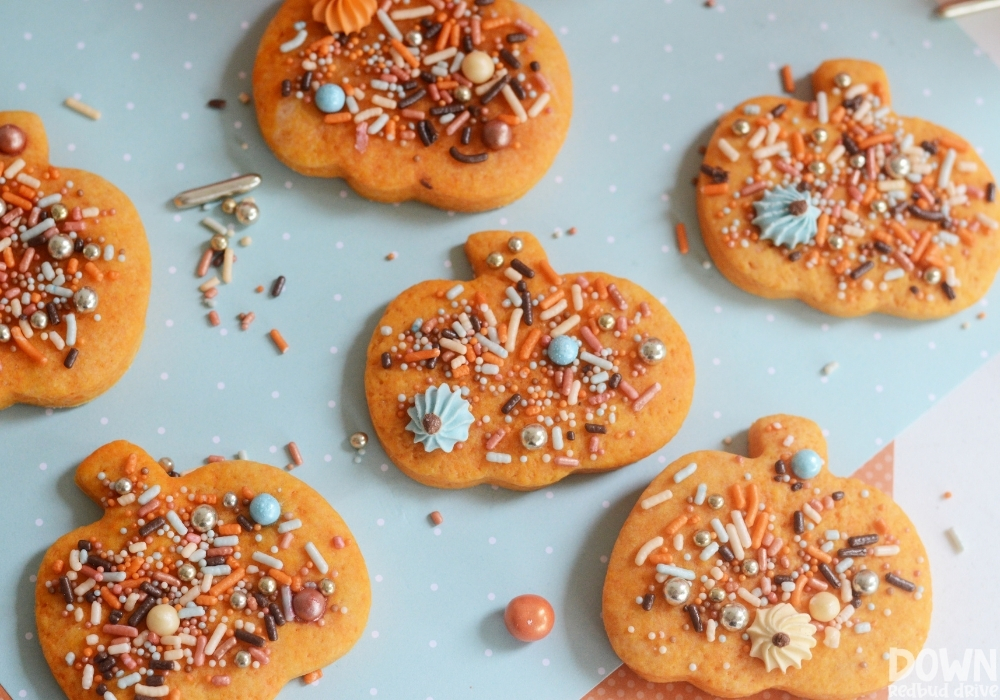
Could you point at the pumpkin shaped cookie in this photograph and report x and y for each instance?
(74, 275)
(234, 578)
(460, 105)
(522, 375)
(741, 575)
(846, 205)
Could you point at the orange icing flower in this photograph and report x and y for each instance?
(345, 15)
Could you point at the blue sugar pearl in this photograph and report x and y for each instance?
(806, 464)
(330, 98)
(265, 509)
(563, 350)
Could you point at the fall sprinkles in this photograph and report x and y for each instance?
(778, 582)
(188, 593)
(562, 358)
(416, 73)
(82, 108)
(54, 260)
(842, 185)
(220, 252)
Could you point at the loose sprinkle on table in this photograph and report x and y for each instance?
(296, 455)
(787, 80)
(279, 341)
(278, 286)
(682, 238)
(954, 540)
(81, 108)
(205, 194)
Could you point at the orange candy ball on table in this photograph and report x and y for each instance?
(529, 618)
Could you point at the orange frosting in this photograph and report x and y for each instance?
(345, 15)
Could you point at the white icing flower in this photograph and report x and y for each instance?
(781, 637)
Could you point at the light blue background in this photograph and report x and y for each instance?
(650, 78)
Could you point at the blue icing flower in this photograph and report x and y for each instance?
(786, 216)
(439, 418)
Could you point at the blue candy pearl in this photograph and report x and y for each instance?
(265, 509)
(330, 98)
(563, 350)
(806, 464)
